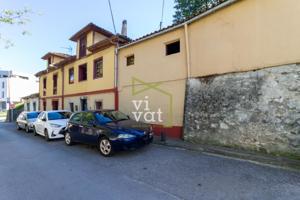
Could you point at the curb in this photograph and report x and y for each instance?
(259, 158)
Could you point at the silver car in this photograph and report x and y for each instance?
(25, 120)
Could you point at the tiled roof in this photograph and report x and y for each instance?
(35, 95)
(61, 55)
(91, 27)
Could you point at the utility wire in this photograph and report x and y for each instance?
(162, 14)
(112, 16)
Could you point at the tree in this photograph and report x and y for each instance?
(13, 17)
(185, 9)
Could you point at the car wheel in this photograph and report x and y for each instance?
(18, 127)
(105, 147)
(68, 139)
(34, 131)
(27, 129)
(46, 135)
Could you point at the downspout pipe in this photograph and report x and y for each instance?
(116, 74)
(187, 49)
(63, 89)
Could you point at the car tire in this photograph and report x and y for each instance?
(68, 139)
(18, 127)
(46, 135)
(105, 147)
(27, 130)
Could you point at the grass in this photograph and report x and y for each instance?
(3, 114)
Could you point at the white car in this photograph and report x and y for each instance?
(51, 124)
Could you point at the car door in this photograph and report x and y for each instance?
(88, 133)
(74, 126)
(39, 122)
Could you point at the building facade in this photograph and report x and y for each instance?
(85, 81)
(14, 86)
(31, 102)
(229, 75)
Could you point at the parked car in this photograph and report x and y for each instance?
(51, 124)
(25, 120)
(109, 130)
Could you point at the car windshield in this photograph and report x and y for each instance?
(58, 115)
(32, 115)
(115, 115)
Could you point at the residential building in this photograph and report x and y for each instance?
(14, 86)
(231, 36)
(31, 102)
(86, 80)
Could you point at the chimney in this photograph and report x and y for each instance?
(124, 28)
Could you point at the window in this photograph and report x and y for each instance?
(98, 68)
(49, 61)
(88, 118)
(54, 105)
(71, 107)
(44, 105)
(82, 47)
(3, 84)
(82, 72)
(55, 84)
(34, 106)
(71, 75)
(28, 106)
(98, 105)
(130, 60)
(76, 118)
(58, 115)
(173, 48)
(44, 86)
(2, 94)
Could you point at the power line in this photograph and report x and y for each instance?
(112, 16)
(162, 14)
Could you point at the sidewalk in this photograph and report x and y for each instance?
(230, 152)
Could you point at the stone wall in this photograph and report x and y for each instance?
(258, 110)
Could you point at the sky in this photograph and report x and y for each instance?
(53, 22)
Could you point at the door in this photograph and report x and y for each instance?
(40, 123)
(88, 133)
(74, 126)
(54, 105)
(83, 103)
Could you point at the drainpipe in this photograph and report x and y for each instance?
(63, 89)
(116, 82)
(187, 49)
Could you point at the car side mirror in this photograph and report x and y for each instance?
(44, 119)
(128, 116)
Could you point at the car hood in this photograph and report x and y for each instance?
(61, 122)
(129, 126)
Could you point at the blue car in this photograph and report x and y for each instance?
(109, 130)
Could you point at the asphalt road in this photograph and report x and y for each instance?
(31, 168)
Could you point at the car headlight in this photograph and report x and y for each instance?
(126, 136)
(55, 125)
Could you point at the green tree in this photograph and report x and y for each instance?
(13, 17)
(185, 9)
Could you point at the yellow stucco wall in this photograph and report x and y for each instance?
(106, 82)
(249, 34)
(49, 90)
(153, 66)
